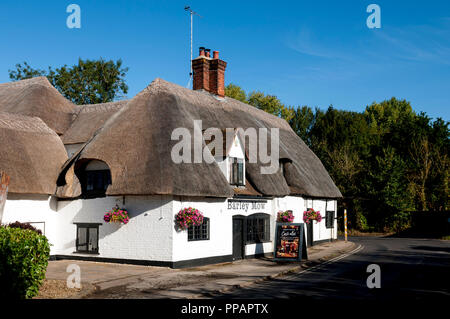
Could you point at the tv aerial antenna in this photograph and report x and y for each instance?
(191, 13)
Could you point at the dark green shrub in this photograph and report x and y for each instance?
(17, 224)
(23, 262)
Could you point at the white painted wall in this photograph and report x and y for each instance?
(147, 236)
(221, 230)
(72, 148)
(96, 165)
(36, 209)
(151, 233)
(320, 232)
(224, 163)
(219, 243)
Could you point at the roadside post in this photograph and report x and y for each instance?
(4, 182)
(345, 224)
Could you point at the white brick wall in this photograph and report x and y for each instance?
(27, 208)
(147, 236)
(151, 233)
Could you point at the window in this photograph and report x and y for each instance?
(258, 228)
(96, 182)
(329, 219)
(200, 232)
(87, 238)
(94, 176)
(237, 171)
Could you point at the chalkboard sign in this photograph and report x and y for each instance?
(289, 242)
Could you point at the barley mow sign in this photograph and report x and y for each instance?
(4, 182)
(246, 205)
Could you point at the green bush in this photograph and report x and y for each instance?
(23, 262)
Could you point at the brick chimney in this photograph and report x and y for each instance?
(209, 73)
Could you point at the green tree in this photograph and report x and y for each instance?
(88, 82)
(269, 103)
(25, 71)
(236, 92)
(302, 122)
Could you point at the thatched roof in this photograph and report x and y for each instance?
(136, 144)
(87, 119)
(37, 97)
(31, 154)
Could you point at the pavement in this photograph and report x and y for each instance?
(109, 280)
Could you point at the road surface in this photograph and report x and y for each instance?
(412, 269)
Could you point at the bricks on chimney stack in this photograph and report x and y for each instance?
(200, 67)
(209, 74)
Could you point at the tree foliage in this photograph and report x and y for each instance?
(269, 103)
(386, 161)
(88, 82)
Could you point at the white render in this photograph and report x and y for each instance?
(72, 148)
(236, 150)
(151, 235)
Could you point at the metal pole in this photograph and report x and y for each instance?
(345, 223)
(192, 27)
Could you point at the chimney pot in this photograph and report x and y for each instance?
(209, 74)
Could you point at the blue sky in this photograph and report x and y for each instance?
(312, 53)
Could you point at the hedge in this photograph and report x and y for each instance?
(17, 224)
(23, 262)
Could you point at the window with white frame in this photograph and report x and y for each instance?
(237, 171)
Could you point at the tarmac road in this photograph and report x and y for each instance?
(412, 269)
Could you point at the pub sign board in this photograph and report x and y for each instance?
(289, 241)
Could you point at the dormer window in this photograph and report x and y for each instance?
(237, 171)
(283, 163)
(95, 177)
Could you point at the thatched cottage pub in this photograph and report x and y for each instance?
(69, 165)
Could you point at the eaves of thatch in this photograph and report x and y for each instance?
(32, 154)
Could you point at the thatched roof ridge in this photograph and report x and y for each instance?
(32, 154)
(42, 80)
(36, 97)
(136, 144)
(87, 119)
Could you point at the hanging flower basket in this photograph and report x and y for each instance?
(285, 217)
(187, 217)
(310, 215)
(117, 215)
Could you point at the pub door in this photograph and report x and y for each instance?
(238, 238)
(309, 234)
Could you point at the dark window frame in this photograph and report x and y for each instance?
(87, 226)
(329, 224)
(257, 228)
(237, 171)
(92, 178)
(201, 232)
